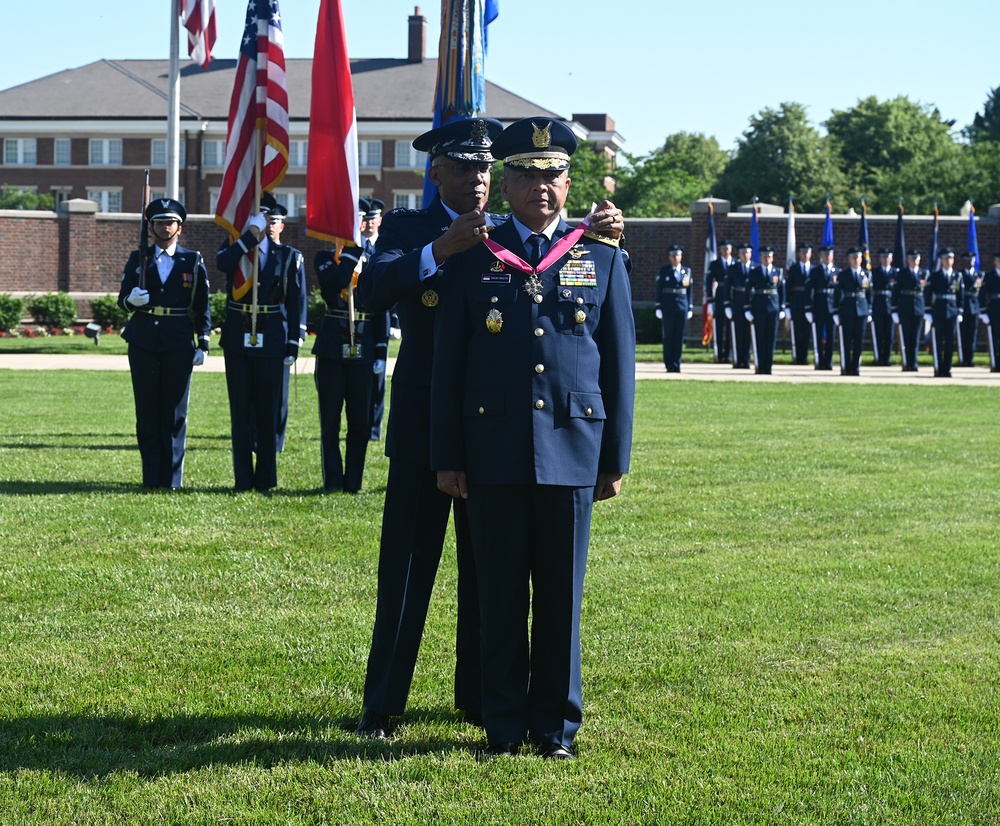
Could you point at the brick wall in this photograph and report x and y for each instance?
(82, 252)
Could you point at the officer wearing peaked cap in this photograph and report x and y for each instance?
(821, 308)
(989, 303)
(797, 293)
(371, 220)
(531, 415)
(715, 294)
(850, 298)
(260, 337)
(907, 308)
(674, 299)
(765, 307)
(165, 286)
(944, 297)
(968, 328)
(883, 280)
(736, 286)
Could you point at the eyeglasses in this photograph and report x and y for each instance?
(466, 168)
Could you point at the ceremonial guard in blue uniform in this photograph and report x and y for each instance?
(349, 343)
(989, 302)
(968, 328)
(674, 299)
(944, 297)
(715, 291)
(165, 286)
(260, 337)
(734, 304)
(883, 280)
(908, 308)
(276, 214)
(531, 412)
(797, 292)
(850, 297)
(821, 308)
(765, 307)
(371, 220)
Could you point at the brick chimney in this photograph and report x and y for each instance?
(417, 48)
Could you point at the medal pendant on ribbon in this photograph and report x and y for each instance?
(533, 285)
(429, 298)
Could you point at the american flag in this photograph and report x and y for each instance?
(258, 123)
(332, 171)
(198, 17)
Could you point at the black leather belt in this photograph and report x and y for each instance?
(675, 292)
(344, 314)
(766, 292)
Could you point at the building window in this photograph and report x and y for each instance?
(20, 151)
(107, 200)
(409, 158)
(158, 153)
(407, 200)
(298, 153)
(213, 153)
(61, 194)
(106, 152)
(162, 193)
(63, 152)
(370, 154)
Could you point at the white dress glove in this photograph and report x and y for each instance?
(138, 297)
(378, 366)
(868, 320)
(729, 313)
(258, 221)
(985, 319)
(960, 317)
(709, 310)
(895, 318)
(199, 357)
(836, 320)
(659, 313)
(690, 314)
(809, 316)
(748, 316)
(781, 315)
(289, 361)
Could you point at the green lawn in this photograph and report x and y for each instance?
(791, 617)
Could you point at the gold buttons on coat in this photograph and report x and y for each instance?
(539, 331)
(537, 299)
(539, 404)
(589, 411)
(481, 411)
(539, 368)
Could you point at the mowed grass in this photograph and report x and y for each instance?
(791, 617)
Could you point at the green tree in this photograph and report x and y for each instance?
(896, 147)
(986, 125)
(665, 182)
(780, 155)
(14, 198)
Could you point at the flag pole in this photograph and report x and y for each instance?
(174, 102)
(255, 263)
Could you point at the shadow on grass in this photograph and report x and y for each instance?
(85, 745)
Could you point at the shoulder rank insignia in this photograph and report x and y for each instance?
(604, 239)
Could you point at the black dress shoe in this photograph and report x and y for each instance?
(374, 726)
(555, 751)
(499, 750)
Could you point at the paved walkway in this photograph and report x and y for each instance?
(979, 376)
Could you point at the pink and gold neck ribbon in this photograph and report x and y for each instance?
(556, 251)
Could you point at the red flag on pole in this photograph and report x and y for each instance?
(198, 17)
(258, 124)
(332, 171)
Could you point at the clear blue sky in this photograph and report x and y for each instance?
(655, 66)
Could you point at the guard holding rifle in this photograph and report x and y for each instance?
(350, 351)
(165, 286)
(265, 282)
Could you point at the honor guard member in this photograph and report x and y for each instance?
(412, 246)
(968, 329)
(260, 337)
(943, 297)
(989, 303)
(371, 220)
(276, 214)
(883, 280)
(908, 308)
(715, 281)
(734, 304)
(820, 310)
(349, 342)
(765, 307)
(531, 414)
(797, 293)
(165, 286)
(850, 297)
(674, 298)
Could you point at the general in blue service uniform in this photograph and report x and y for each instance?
(165, 287)
(531, 415)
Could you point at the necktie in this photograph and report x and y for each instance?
(534, 244)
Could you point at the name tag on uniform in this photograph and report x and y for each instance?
(495, 278)
(254, 342)
(578, 273)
